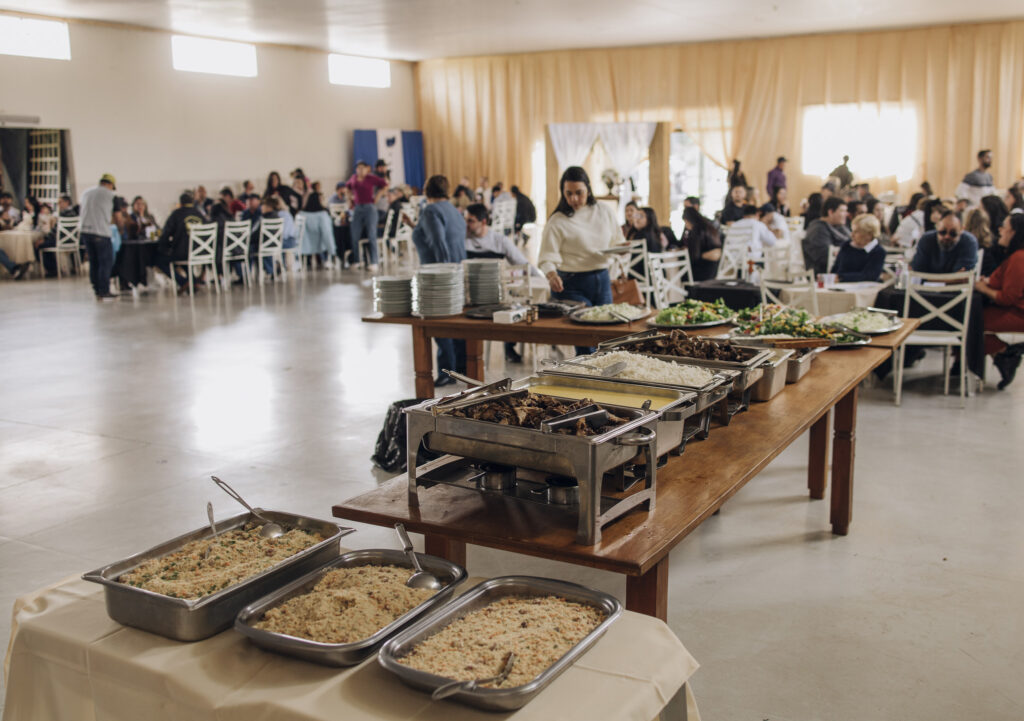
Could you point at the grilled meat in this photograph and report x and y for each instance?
(677, 343)
(529, 411)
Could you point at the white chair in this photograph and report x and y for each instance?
(237, 235)
(776, 262)
(959, 287)
(795, 225)
(803, 285)
(294, 264)
(403, 235)
(68, 243)
(735, 253)
(669, 273)
(503, 216)
(202, 253)
(639, 269)
(833, 253)
(270, 245)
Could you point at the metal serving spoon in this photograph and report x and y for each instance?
(419, 579)
(607, 372)
(455, 686)
(270, 529)
(213, 529)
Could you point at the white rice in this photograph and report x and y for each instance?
(645, 368)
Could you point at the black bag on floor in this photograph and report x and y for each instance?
(389, 452)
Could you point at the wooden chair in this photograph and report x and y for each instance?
(959, 287)
(68, 243)
(202, 253)
(270, 245)
(237, 236)
(670, 272)
(803, 285)
(735, 253)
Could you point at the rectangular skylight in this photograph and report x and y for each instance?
(34, 38)
(219, 57)
(363, 72)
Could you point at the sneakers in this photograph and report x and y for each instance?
(20, 271)
(1007, 362)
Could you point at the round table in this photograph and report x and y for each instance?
(20, 244)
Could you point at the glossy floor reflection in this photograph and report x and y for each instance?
(113, 416)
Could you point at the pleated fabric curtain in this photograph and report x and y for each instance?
(738, 99)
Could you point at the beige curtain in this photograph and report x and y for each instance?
(738, 99)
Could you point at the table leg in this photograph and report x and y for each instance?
(475, 362)
(422, 363)
(842, 462)
(817, 460)
(648, 594)
(454, 551)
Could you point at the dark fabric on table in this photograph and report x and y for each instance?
(135, 257)
(736, 294)
(892, 299)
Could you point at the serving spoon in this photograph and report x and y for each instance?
(607, 372)
(455, 686)
(419, 579)
(270, 529)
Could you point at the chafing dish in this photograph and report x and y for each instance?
(493, 699)
(585, 458)
(192, 620)
(774, 378)
(346, 654)
(798, 366)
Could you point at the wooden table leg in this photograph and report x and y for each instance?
(423, 363)
(842, 462)
(648, 594)
(817, 459)
(454, 551)
(475, 362)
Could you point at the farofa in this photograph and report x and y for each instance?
(235, 556)
(347, 605)
(538, 629)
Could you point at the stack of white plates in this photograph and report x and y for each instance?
(483, 279)
(438, 290)
(392, 295)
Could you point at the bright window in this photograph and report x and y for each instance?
(881, 140)
(219, 57)
(364, 72)
(34, 38)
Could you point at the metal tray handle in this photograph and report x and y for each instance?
(639, 437)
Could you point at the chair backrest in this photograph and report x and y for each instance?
(503, 216)
(638, 268)
(68, 233)
(803, 286)
(735, 252)
(337, 212)
(795, 224)
(202, 242)
(959, 288)
(237, 234)
(271, 235)
(389, 222)
(669, 273)
(833, 253)
(776, 261)
(977, 266)
(300, 229)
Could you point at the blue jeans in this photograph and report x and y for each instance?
(451, 355)
(364, 223)
(6, 262)
(593, 287)
(101, 261)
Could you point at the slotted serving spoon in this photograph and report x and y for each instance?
(270, 529)
(455, 686)
(419, 579)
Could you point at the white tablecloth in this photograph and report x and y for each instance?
(18, 244)
(840, 298)
(67, 661)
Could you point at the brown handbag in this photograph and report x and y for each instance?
(626, 290)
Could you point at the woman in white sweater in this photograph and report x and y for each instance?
(575, 234)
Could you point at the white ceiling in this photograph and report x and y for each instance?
(418, 29)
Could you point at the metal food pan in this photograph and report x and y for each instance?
(492, 699)
(799, 365)
(345, 654)
(192, 620)
(774, 378)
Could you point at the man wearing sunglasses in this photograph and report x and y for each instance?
(947, 249)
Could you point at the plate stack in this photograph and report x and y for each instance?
(483, 279)
(392, 295)
(438, 290)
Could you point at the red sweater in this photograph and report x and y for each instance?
(1008, 279)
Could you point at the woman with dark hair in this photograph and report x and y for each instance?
(997, 212)
(645, 225)
(300, 193)
(318, 236)
(1014, 199)
(1005, 289)
(780, 198)
(815, 203)
(933, 212)
(630, 211)
(737, 176)
(29, 214)
(911, 227)
(274, 187)
(571, 248)
(703, 244)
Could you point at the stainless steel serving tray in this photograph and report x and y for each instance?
(345, 654)
(800, 364)
(492, 699)
(184, 620)
(774, 378)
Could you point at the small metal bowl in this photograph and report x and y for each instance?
(563, 491)
(496, 477)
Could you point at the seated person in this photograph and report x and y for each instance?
(760, 235)
(17, 270)
(1005, 288)
(9, 215)
(861, 257)
(702, 243)
(947, 249)
(828, 230)
(775, 222)
(733, 210)
(172, 245)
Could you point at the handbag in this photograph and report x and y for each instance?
(626, 290)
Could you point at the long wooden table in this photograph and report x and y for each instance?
(691, 487)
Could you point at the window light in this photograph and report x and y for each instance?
(881, 139)
(220, 57)
(34, 38)
(363, 72)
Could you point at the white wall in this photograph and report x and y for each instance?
(159, 130)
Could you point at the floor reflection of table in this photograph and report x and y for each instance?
(19, 244)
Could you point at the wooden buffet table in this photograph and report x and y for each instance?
(691, 487)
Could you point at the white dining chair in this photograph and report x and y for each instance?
(202, 253)
(270, 246)
(237, 236)
(638, 269)
(68, 243)
(803, 290)
(735, 253)
(670, 272)
(503, 216)
(293, 256)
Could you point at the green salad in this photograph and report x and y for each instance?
(780, 321)
(692, 312)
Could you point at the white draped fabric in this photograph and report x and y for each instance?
(572, 142)
(626, 144)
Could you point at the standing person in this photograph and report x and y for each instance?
(318, 238)
(97, 211)
(737, 178)
(364, 186)
(703, 244)
(342, 234)
(570, 249)
(440, 237)
(977, 183)
(843, 174)
(777, 178)
(1005, 290)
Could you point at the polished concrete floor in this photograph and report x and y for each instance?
(113, 416)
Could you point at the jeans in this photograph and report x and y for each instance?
(6, 262)
(101, 261)
(451, 355)
(364, 222)
(593, 287)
